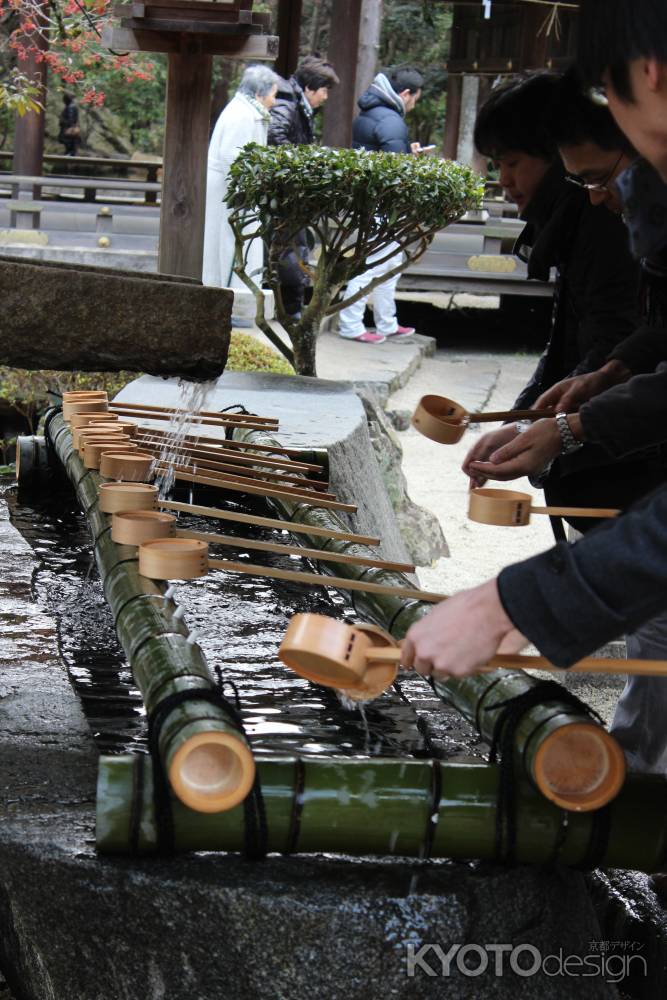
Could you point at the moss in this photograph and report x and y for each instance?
(248, 355)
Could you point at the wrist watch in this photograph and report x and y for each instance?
(568, 442)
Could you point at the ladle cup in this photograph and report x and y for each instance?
(445, 421)
(511, 508)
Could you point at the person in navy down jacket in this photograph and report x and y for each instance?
(380, 127)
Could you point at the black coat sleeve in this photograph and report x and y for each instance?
(643, 351)
(572, 599)
(391, 134)
(282, 123)
(628, 417)
(603, 280)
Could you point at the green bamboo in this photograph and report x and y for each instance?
(471, 696)
(158, 646)
(387, 807)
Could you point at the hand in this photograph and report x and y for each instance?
(484, 447)
(461, 634)
(569, 394)
(527, 454)
(415, 147)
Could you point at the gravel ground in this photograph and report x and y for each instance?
(479, 381)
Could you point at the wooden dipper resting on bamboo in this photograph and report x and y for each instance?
(135, 527)
(117, 497)
(446, 421)
(509, 507)
(186, 559)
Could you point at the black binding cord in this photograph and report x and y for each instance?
(256, 830)
(297, 806)
(502, 745)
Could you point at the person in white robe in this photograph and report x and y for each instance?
(245, 119)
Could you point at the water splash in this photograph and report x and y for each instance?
(173, 444)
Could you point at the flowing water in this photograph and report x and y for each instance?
(238, 621)
(172, 445)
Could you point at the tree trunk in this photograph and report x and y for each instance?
(369, 43)
(304, 343)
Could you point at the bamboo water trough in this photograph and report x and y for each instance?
(403, 808)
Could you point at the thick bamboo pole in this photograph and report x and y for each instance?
(206, 756)
(406, 808)
(547, 734)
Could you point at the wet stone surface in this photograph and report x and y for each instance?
(74, 926)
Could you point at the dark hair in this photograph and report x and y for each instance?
(314, 72)
(575, 117)
(67, 98)
(613, 32)
(405, 78)
(516, 116)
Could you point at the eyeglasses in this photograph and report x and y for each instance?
(600, 185)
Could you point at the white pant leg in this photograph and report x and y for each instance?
(384, 301)
(640, 720)
(351, 319)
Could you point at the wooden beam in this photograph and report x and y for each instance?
(342, 53)
(452, 117)
(254, 47)
(289, 33)
(185, 143)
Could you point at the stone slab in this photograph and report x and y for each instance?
(313, 413)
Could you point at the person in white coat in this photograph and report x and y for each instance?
(244, 120)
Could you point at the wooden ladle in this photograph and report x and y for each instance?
(139, 526)
(445, 421)
(187, 559)
(338, 655)
(509, 507)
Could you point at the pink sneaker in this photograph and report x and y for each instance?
(402, 331)
(369, 337)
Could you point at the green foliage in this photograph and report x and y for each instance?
(248, 355)
(352, 204)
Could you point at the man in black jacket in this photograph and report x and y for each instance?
(570, 600)
(291, 123)
(381, 128)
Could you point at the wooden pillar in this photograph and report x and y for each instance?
(185, 143)
(29, 132)
(342, 53)
(289, 32)
(452, 118)
(480, 163)
(369, 44)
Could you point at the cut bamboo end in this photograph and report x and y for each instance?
(136, 467)
(212, 772)
(335, 654)
(440, 419)
(500, 507)
(116, 497)
(173, 559)
(580, 767)
(135, 527)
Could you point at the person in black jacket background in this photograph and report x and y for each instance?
(380, 128)
(297, 100)
(70, 132)
(597, 291)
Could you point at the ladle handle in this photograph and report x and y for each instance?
(319, 580)
(518, 661)
(589, 665)
(576, 511)
(486, 418)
